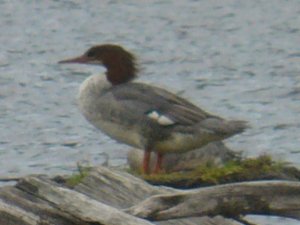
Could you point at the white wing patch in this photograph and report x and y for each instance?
(161, 119)
(153, 115)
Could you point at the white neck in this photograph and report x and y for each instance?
(94, 85)
(91, 89)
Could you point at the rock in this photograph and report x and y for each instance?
(215, 153)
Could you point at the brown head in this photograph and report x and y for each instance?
(119, 63)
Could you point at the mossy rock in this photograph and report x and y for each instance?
(260, 168)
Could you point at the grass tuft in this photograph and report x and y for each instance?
(260, 168)
(77, 177)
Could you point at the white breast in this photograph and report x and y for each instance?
(94, 85)
(91, 89)
(90, 92)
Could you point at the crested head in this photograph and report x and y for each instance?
(119, 63)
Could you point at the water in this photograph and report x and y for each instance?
(236, 59)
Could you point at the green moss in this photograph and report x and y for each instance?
(260, 168)
(77, 177)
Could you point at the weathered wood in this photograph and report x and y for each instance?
(109, 196)
(34, 205)
(280, 198)
(78, 205)
(10, 214)
(117, 188)
(38, 200)
(122, 190)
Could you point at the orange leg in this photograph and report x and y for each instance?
(158, 162)
(146, 161)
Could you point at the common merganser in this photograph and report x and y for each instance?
(141, 115)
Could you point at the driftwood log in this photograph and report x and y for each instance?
(279, 198)
(110, 196)
(77, 204)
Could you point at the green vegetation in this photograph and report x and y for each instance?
(77, 177)
(237, 170)
(260, 168)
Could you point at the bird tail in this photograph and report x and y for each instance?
(225, 128)
(235, 126)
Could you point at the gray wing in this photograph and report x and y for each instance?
(145, 101)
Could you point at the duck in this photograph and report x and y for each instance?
(141, 115)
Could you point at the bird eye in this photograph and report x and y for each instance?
(91, 53)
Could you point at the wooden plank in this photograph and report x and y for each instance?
(77, 204)
(117, 188)
(122, 190)
(32, 204)
(281, 198)
(12, 215)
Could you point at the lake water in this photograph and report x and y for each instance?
(236, 59)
